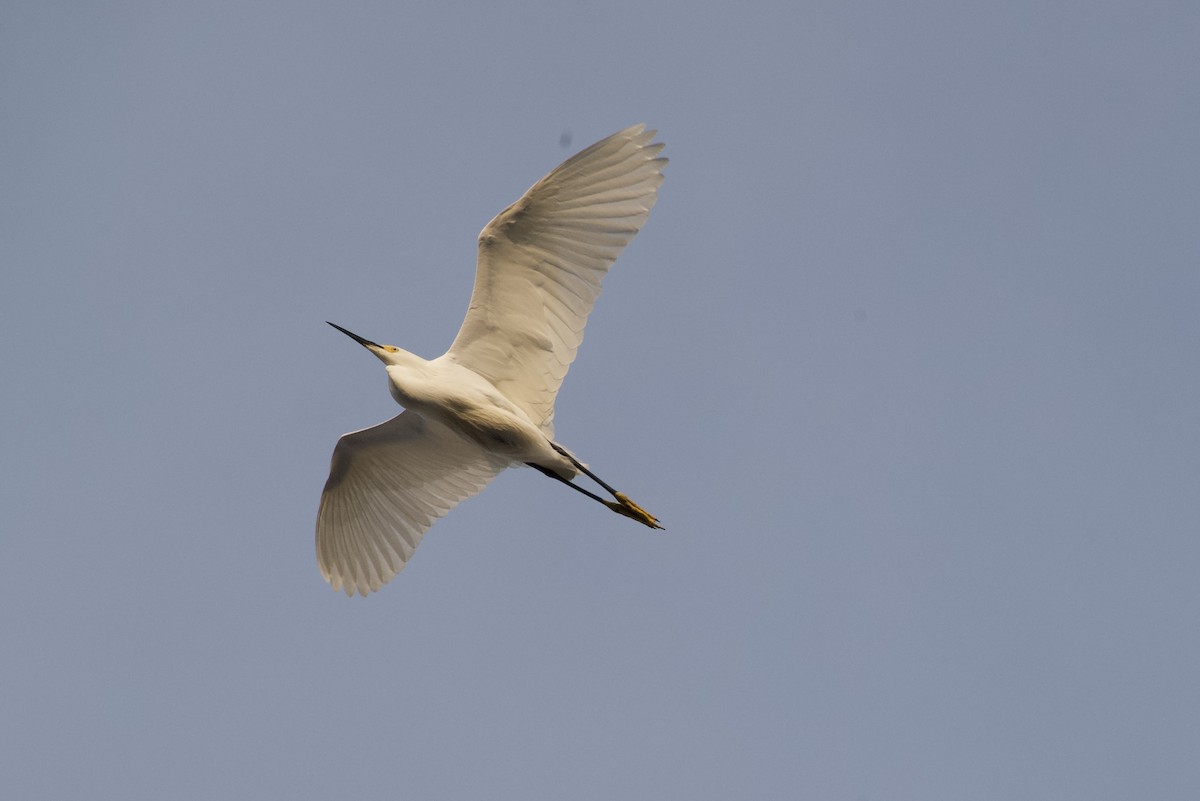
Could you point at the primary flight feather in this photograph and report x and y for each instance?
(488, 402)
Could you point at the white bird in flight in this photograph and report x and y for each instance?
(488, 402)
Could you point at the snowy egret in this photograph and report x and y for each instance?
(488, 402)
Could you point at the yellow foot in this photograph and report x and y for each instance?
(633, 511)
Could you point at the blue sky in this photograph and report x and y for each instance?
(905, 359)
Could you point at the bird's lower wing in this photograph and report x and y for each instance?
(387, 484)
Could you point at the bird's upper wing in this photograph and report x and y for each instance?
(387, 484)
(541, 261)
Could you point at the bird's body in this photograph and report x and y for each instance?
(488, 402)
(468, 404)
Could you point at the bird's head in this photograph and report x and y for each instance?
(388, 354)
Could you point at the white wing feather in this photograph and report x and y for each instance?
(541, 262)
(387, 484)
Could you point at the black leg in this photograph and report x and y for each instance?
(547, 472)
(583, 469)
(623, 506)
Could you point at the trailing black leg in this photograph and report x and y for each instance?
(623, 506)
(548, 472)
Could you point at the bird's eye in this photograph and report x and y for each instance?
(391, 348)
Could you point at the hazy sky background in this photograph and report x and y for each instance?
(907, 359)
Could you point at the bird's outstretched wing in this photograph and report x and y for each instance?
(387, 484)
(541, 261)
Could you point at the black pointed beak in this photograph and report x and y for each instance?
(366, 343)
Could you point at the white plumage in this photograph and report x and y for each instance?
(541, 262)
(488, 402)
